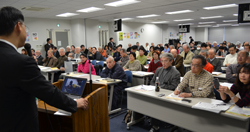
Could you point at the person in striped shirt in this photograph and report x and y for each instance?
(241, 86)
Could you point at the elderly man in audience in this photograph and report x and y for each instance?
(152, 44)
(215, 46)
(71, 57)
(231, 72)
(221, 52)
(213, 60)
(116, 54)
(124, 58)
(50, 60)
(77, 53)
(155, 62)
(247, 47)
(239, 47)
(129, 48)
(102, 52)
(169, 78)
(132, 64)
(179, 47)
(198, 50)
(60, 63)
(134, 50)
(90, 51)
(232, 57)
(67, 50)
(177, 62)
(208, 66)
(142, 58)
(115, 71)
(38, 58)
(187, 54)
(197, 83)
(84, 65)
(96, 55)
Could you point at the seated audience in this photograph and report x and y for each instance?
(192, 47)
(89, 51)
(129, 48)
(155, 62)
(67, 50)
(169, 78)
(173, 47)
(198, 50)
(142, 58)
(239, 47)
(77, 53)
(203, 46)
(84, 65)
(179, 47)
(213, 60)
(221, 52)
(38, 57)
(161, 46)
(166, 49)
(134, 50)
(84, 50)
(50, 60)
(24, 52)
(124, 58)
(103, 52)
(215, 46)
(208, 66)
(177, 62)
(241, 86)
(73, 49)
(116, 54)
(147, 47)
(96, 55)
(60, 63)
(197, 83)
(247, 47)
(187, 54)
(55, 52)
(232, 57)
(109, 52)
(132, 64)
(231, 72)
(33, 52)
(115, 71)
(225, 46)
(71, 57)
(150, 53)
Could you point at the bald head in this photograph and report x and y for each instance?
(38, 53)
(78, 50)
(246, 43)
(174, 52)
(211, 53)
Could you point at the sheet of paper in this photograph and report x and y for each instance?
(236, 109)
(146, 87)
(229, 85)
(45, 68)
(59, 43)
(174, 96)
(216, 73)
(213, 107)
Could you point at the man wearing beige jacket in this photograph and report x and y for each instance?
(187, 54)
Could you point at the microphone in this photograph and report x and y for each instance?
(28, 47)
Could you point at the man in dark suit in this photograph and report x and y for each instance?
(96, 55)
(111, 43)
(39, 58)
(84, 50)
(48, 45)
(55, 52)
(21, 80)
(178, 61)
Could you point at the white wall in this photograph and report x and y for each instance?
(78, 32)
(201, 34)
(152, 33)
(40, 26)
(175, 30)
(215, 34)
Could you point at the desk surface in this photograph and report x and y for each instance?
(142, 73)
(187, 65)
(103, 62)
(222, 76)
(47, 69)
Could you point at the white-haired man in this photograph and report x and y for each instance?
(77, 53)
(187, 54)
(215, 46)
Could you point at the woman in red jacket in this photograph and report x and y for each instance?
(155, 62)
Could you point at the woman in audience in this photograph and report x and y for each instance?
(241, 86)
(24, 52)
(155, 63)
(84, 65)
(132, 64)
(142, 58)
(150, 53)
(106, 48)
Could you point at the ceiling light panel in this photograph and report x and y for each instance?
(122, 3)
(220, 6)
(179, 12)
(90, 9)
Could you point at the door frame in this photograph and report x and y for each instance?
(54, 35)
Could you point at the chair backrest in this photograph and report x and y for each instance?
(68, 66)
(100, 63)
(93, 62)
(105, 58)
(130, 76)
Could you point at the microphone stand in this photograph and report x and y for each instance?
(90, 79)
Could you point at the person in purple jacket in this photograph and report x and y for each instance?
(84, 65)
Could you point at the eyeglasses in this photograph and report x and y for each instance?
(195, 66)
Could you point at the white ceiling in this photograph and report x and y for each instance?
(145, 7)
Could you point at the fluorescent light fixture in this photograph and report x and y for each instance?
(146, 16)
(235, 14)
(179, 12)
(211, 17)
(230, 20)
(66, 14)
(204, 26)
(235, 25)
(124, 19)
(225, 24)
(206, 22)
(160, 22)
(90, 9)
(220, 6)
(216, 25)
(187, 24)
(122, 3)
(180, 20)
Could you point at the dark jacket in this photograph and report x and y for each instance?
(57, 55)
(47, 47)
(21, 81)
(178, 63)
(116, 73)
(60, 61)
(117, 56)
(98, 56)
(232, 69)
(40, 60)
(85, 51)
(216, 64)
(111, 44)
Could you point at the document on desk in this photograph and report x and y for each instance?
(216, 73)
(215, 106)
(229, 85)
(173, 96)
(145, 87)
(139, 73)
(236, 110)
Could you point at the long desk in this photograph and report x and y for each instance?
(182, 114)
(140, 77)
(46, 70)
(95, 79)
(94, 119)
(222, 77)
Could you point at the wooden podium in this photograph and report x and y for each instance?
(94, 119)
